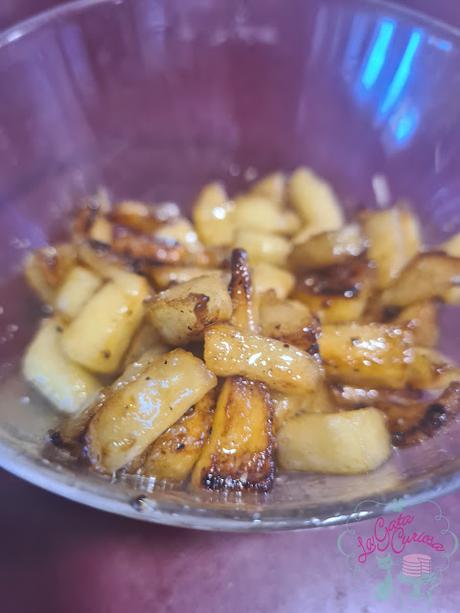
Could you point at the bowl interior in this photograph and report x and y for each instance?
(153, 99)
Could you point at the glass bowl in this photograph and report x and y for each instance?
(153, 99)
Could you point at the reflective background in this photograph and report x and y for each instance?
(152, 100)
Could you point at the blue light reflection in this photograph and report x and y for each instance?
(356, 40)
(378, 53)
(440, 43)
(404, 126)
(384, 82)
(398, 82)
(385, 66)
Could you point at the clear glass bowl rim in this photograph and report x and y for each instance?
(173, 514)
